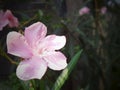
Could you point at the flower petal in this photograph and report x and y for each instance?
(103, 10)
(13, 21)
(3, 20)
(16, 45)
(33, 68)
(56, 60)
(1, 14)
(53, 42)
(35, 32)
(84, 10)
(3, 23)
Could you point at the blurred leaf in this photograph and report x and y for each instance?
(31, 88)
(42, 85)
(25, 84)
(40, 14)
(66, 72)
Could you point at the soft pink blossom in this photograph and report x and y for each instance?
(38, 51)
(7, 18)
(84, 10)
(3, 20)
(13, 21)
(103, 10)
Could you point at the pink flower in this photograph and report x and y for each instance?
(3, 20)
(103, 10)
(13, 21)
(7, 18)
(84, 10)
(38, 51)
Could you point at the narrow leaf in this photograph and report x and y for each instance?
(66, 72)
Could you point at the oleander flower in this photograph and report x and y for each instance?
(103, 10)
(84, 10)
(3, 20)
(37, 50)
(7, 18)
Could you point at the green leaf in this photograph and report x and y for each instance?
(40, 14)
(66, 72)
(25, 84)
(42, 85)
(31, 88)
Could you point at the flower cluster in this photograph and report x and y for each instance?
(7, 18)
(37, 50)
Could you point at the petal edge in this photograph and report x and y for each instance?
(33, 68)
(16, 45)
(56, 60)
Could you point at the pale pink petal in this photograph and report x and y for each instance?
(56, 60)
(13, 21)
(53, 42)
(84, 10)
(33, 68)
(103, 10)
(1, 14)
(35, 32)
(16, 45)
(3, 21)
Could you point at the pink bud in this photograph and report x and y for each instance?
(103, 10)
(84, 10)
(7, 18)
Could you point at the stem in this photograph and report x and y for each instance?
(25, 23)
(101, 37)
(13, 62)
(33, 84)
(2, 53)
